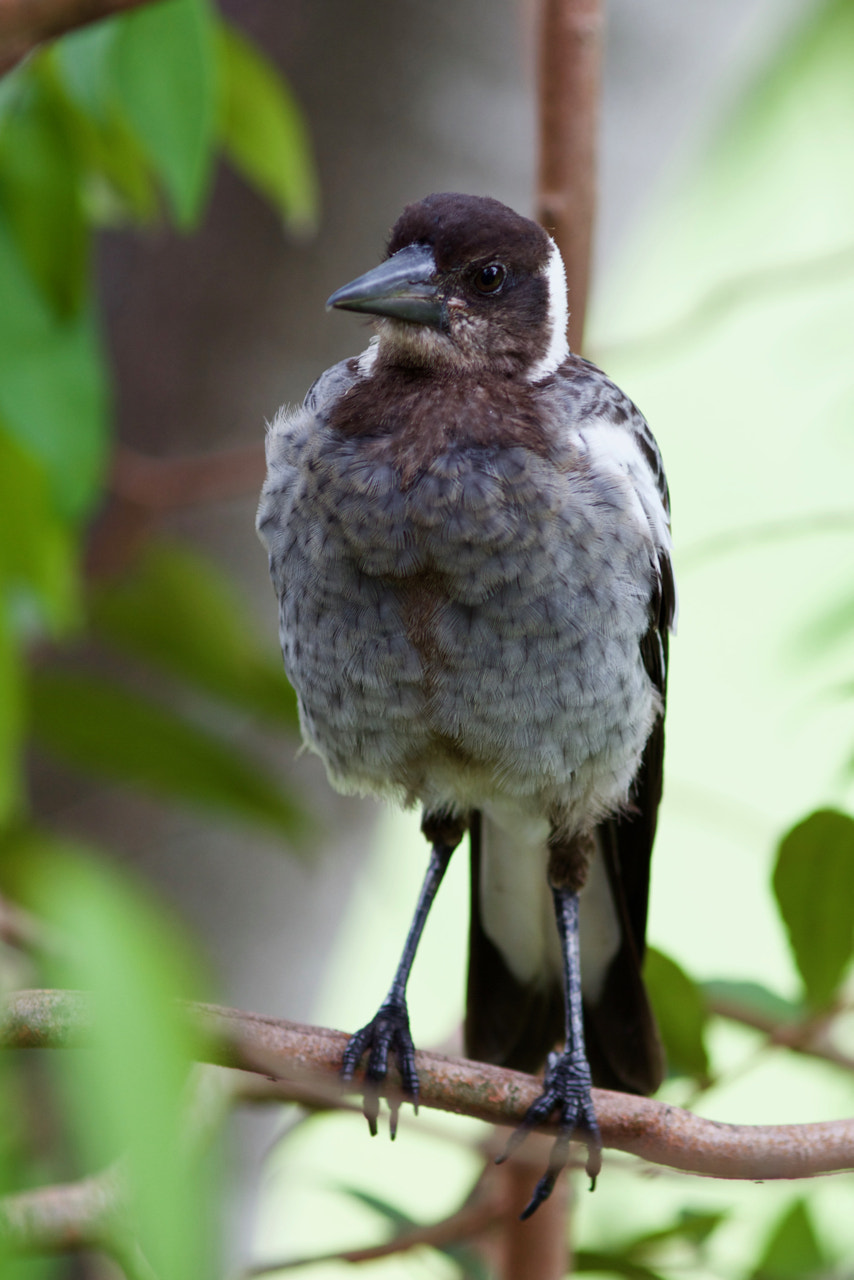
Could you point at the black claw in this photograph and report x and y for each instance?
(386, 1033)
(566, 1089)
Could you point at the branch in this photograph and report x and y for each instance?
(88, 1214)
(484, 1209)
(570, 57)
(660, 1133)
(161, 484)
(808, 1036)
(26, 23)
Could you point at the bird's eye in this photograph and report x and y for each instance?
(490, 278)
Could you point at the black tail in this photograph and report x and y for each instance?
(514, 1024)
(508, 1022)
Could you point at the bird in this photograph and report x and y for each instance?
(468, 530)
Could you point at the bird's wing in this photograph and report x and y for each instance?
(622, 1039)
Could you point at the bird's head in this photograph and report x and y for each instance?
(467, 284)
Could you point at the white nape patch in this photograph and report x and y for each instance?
(368, 358)
(558, 348)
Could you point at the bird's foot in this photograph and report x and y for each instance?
(566, 1090)
(387, 1032)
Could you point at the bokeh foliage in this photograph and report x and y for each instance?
(119, 124)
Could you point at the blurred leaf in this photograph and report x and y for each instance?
(52, 385)
(117, 181)
(11, 719)
(38, 570)
(828, 629)
(753, 997)
(105, 729)
(692, 1225)
(814, 885)
(614, 1263)
(471, 1266)
(793, 1251)
(262, 130)
(164, 69)
(390, 1212)
(680, 1009)
(84, 61)
(177, 610)
(630, 1259)
(40, 197)
(126, 1096)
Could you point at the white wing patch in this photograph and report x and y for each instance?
(558, 348)
(611, 448)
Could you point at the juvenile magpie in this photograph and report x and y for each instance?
(468, 531)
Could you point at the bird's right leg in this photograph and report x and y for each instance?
(388, 1031)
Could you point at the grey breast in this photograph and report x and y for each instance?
(480, 620)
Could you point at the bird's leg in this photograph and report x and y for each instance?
(388, 1031)
(567, 1082)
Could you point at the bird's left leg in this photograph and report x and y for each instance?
(388, 1031)
(567, 1082)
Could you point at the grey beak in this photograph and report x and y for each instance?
(402, 287)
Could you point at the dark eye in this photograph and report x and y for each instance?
(490, 278)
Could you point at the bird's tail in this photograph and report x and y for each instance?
(515, 1001)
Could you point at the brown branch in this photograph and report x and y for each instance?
(24, 24)
(486, 1207)
(660, 1133)
(570, 57)
(88, 1214)
(161, 484)
(74, 1215)
(808, 1036)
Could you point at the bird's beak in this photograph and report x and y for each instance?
(403, 287)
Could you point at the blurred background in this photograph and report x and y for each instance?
(161, 732)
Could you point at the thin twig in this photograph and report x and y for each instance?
(807, 1036)
(480, 1212)
(661, 1133)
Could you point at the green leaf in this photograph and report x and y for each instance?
(117, 180)
(84, 60)
(126, 1096)
(827, 630)
(105, 729)
(176, 610)
(693, 1225)
(680, 1009)
(814, 885)
(164, 74)
(614, 1263)
(391, 1213)
(38, 568)
(753, 997)
(793, 1251)
(11, 719)
(262, 131)
(53, 394)
(40, 196)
